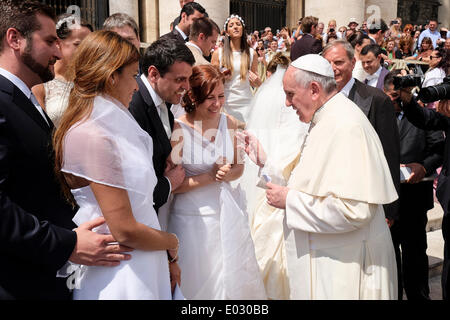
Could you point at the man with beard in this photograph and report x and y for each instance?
(36, 237)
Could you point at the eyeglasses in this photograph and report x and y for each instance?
(434, 57)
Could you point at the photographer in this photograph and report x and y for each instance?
(420, 154)
(428, 119)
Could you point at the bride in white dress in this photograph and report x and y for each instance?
(217, 256)
(239, 63)
(105, 160)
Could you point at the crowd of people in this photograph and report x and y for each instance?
(216, 163)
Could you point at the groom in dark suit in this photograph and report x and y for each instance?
(166, 65)
(375, 105)
(36, 237)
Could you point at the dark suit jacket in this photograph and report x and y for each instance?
(383, 74)
(35, 221)
(379, 109)
(428, 119)
(174, 34)
(420, 146)
(144, 111)
(306, 45)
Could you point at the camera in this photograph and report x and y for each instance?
(332, 30)
(407, 81)
(435, 93)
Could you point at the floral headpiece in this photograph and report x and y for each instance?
(72, 22)
(232, 17)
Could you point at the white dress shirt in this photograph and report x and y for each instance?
(372, 79)
(346, 89)
(24, 88)
(158, 103)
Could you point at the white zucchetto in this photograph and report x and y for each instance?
(314, 63)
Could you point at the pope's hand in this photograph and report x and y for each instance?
(276, 195)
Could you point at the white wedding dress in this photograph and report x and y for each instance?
(110, 148)
(238, 92)
(281, 134)
(216, 255)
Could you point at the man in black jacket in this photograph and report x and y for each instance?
(190, 12)
(167, 66)
(428, 119)
(36, 237)
(375, 105)
(308, 43)
(421, 152)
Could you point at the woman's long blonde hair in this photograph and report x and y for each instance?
(99, 55)
(227, 57)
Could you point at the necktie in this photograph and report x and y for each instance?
(164, 115)
(38, 107)
(366, 81)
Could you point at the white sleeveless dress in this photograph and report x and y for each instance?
(217, 257)
(238, 94)
(110, 148)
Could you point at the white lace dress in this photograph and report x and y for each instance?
(110, 148)
(217, 257)
(57, 94)
(238, 92)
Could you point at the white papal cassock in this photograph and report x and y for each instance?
(338, 244)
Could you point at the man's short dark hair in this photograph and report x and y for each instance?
(203, 25)
(120, 20)
(308, 23)
(374, 48)
(191, 7)
(377, 25)
(22, 15)
(163, 53)
(389, 79)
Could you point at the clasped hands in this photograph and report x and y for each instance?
(276, 195)
(221, 170)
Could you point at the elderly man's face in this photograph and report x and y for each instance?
(341, 64)
(297, 97)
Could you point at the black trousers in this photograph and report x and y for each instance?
(410, 244)
(446, 266)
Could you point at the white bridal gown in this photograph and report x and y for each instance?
(238, 92)
(111, 149)
(216, 254)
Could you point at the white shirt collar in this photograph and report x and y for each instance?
(155, 97)
(376, 75)
(346, 89)
(181, 32)
(17, 82)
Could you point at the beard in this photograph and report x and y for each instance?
(45, 73)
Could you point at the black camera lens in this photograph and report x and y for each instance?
(407, 81)
(435, 93)
(332, 30)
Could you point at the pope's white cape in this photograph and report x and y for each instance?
(338, 245)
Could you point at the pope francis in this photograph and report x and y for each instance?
(337, 242)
